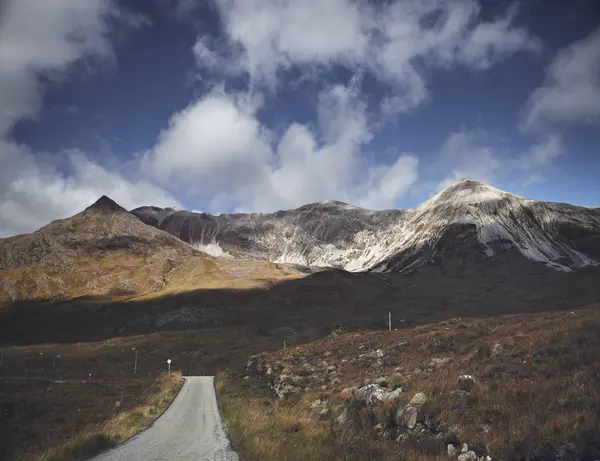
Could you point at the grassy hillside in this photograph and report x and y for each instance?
(536, 393)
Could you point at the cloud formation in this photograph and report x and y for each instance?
(394, 41)
(45, 39)
(217, 149)
(571, 92)
(478, 155)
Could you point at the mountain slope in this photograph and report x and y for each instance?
(475, 221)
(107, 252)
(469, 220)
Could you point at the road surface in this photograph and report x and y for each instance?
(191, 429)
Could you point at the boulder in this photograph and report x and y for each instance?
(324, 413)
(465, 383)
(451, 450)
(496, 350)
(254, 367)
(467, 456)
(394, 394)
(343, 418)
(418, 399)
(409, 418)
(371, 394)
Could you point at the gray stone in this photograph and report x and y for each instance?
(348, 390)
(496, 350)
(254, 367)
(467, 456)
(343, 418)
(409, 419)
(325, 412)
(394, 394)
(459, 393)
(451, 449)
(402, 438)
(466, 383)
(371, 394)
(464, 448)
(418, 399)
(317, 404)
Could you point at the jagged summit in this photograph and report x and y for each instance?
(106, 205)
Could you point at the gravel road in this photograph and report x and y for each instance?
(191, 429)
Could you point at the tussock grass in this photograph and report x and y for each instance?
(540, 391)
(124, 425)
(267, 430)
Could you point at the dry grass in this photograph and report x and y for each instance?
(122, 426)
(265, 430)
(540, 392)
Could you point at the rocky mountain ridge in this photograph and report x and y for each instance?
(468, 220)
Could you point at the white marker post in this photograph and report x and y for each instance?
(169, 365)
(390, 320)
(135, 362)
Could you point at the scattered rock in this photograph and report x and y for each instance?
(254, 367)
(318, 404)
(465, 383)
(459, 393)
(402, 438)
(418, 399)
(451, 449)
(377, 364)
(343, 418)
(348, 391)
(331, 368)
(496, 350)
(371, 394)
(464, 448)
(467, 456)
(438, 361)
(394, 394)
(409, 418)
(324, 413)
(327, 354)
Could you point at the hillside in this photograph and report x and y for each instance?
(468, 220)
(107, 251)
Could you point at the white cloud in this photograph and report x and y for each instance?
(571, 92)
(34, 192)
(542, 154)
(218, 150)
(468, 155)
(46, 39)
(477, 155)
(392, 41)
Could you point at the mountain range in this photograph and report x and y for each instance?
(469, 220)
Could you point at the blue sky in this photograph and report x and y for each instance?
(259, 105)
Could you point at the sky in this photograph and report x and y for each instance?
(259, 105)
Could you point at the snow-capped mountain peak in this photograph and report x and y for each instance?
(468, 219)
